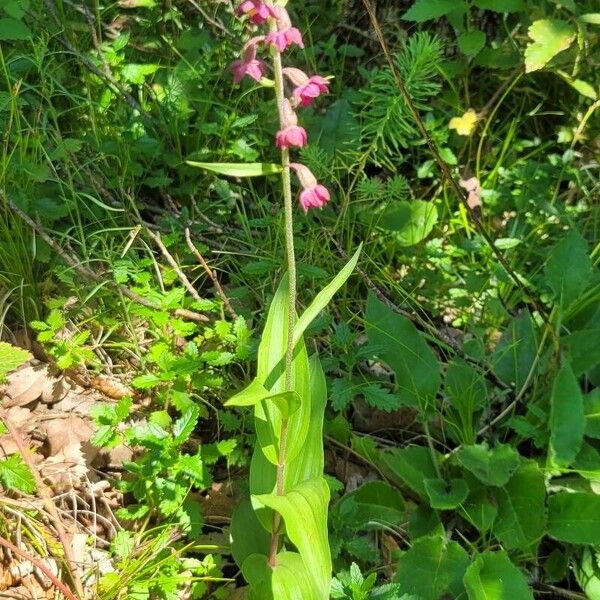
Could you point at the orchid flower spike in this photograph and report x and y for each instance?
(249, 64)
(286, 35)
(257, 10)
(291, 135)
(307, 88)
(313, 194)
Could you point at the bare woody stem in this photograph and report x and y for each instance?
(291, 267)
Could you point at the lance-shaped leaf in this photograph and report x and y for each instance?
(567, 418)
(322, 299)
(271, 374)
(289, 579)
(309, 463)
(238, 169)
(304, 511)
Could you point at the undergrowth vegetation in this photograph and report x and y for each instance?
(446, 399)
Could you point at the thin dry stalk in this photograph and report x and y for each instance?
(211, 274)
(38, 564)
(46, 496)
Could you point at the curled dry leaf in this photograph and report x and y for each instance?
(110, 387)
(54, 390)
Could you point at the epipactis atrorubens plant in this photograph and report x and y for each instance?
(279, 535)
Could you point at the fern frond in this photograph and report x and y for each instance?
(387, 125)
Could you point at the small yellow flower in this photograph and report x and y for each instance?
(464, 125)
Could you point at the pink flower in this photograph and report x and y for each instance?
(286, 35)
(307, 88)
(249, 64)
(257, 10)
(291, 135)
(313, 194)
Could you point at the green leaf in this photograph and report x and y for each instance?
(433, 568)
(184, 426)
(592, 414)
(574, 517)
(424, 10)
(322, 299)
(567, 418)
(521, 519)
(568, 269)
(592, 18)
(491, 466)
(15, 474)
(515, 353)
(13, 29)
(583, 349)
(413, 465)
(492, 576)
(479, 509)
(247, 534)
(550, 36)
(304, 511)
(587, 572)
(404, 349)
(374, 503)
(444, 495)
(11, 357)
(289, 579)
(238, 169)
(287, 402)
(504, 6)
(271, 374)
(471, 42)
(309, 463)
(137, 73)
(411, 221)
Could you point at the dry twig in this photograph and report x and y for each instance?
(211, 274)
(46, 496)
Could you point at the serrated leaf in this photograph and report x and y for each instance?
(425, 10)
(493, 576)
(185, 425)
(238, 169)
(11, 358)
(15, 474)
(550, 36)
(567, 418)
